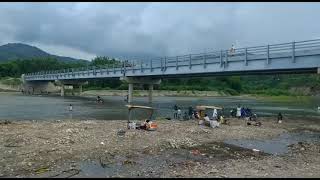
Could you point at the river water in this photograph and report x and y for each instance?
(14, 106)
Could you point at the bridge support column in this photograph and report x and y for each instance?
(80, 89)
(73, 83)
(62, 90)
(140, 80)
(130, 93)
(150, 92)
(318, 70)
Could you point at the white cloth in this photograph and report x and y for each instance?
(238, 112)
(201, 122)
(132, 125)
(214, 124)
(206, 118)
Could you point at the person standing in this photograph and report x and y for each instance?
(190, 112)
(179, 113)
(214, 114)
(279, 117)
(232, 50)
(238, 112)
(175, 114)
(70, 107)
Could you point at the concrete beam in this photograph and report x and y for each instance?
(141, 80)
(71, 82)
(318, 70)
(62, 90)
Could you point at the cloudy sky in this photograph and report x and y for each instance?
(146, 30)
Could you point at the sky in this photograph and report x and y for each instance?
(133, 30)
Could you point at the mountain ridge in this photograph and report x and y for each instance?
(14, 51)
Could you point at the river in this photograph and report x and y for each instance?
(15, 106)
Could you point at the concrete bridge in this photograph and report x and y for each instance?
(292, 57)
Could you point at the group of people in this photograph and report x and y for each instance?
(242, 112)
(146, 125)
(203, 119)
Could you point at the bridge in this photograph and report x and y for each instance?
(292, 57)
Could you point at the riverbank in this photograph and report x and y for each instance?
(177, 149)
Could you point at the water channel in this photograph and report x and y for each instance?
(15, 106)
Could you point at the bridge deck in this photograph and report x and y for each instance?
(295, 57)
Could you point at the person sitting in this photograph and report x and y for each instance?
(206, 118)
(144, 124)
(254, 123)
(151, 126)
(99, 99)
(213, 122)
(196, 115)
(202, 121)
(222, 120)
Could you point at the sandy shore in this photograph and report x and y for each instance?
(57, 149)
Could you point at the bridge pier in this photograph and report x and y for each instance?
(72, 83)
(130, 93)
(80, 89)
(62, 90)
(150, 93)
(140, 80)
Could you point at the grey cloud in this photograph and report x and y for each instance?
(146, 30)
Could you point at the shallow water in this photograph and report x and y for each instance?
(15, 106)
(278, 145)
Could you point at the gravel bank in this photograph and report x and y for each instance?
(47, 149)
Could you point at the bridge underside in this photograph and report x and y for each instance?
(240, 73)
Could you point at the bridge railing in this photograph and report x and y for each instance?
(221, 57)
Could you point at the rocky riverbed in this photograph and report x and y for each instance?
(70, 148)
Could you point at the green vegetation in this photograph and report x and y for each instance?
(270, 85)
(11, 81)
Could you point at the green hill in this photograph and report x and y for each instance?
(14, 51)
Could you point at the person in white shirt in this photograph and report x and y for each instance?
(70, 107)
(215, 114)
(179, 113)
(206, 118)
